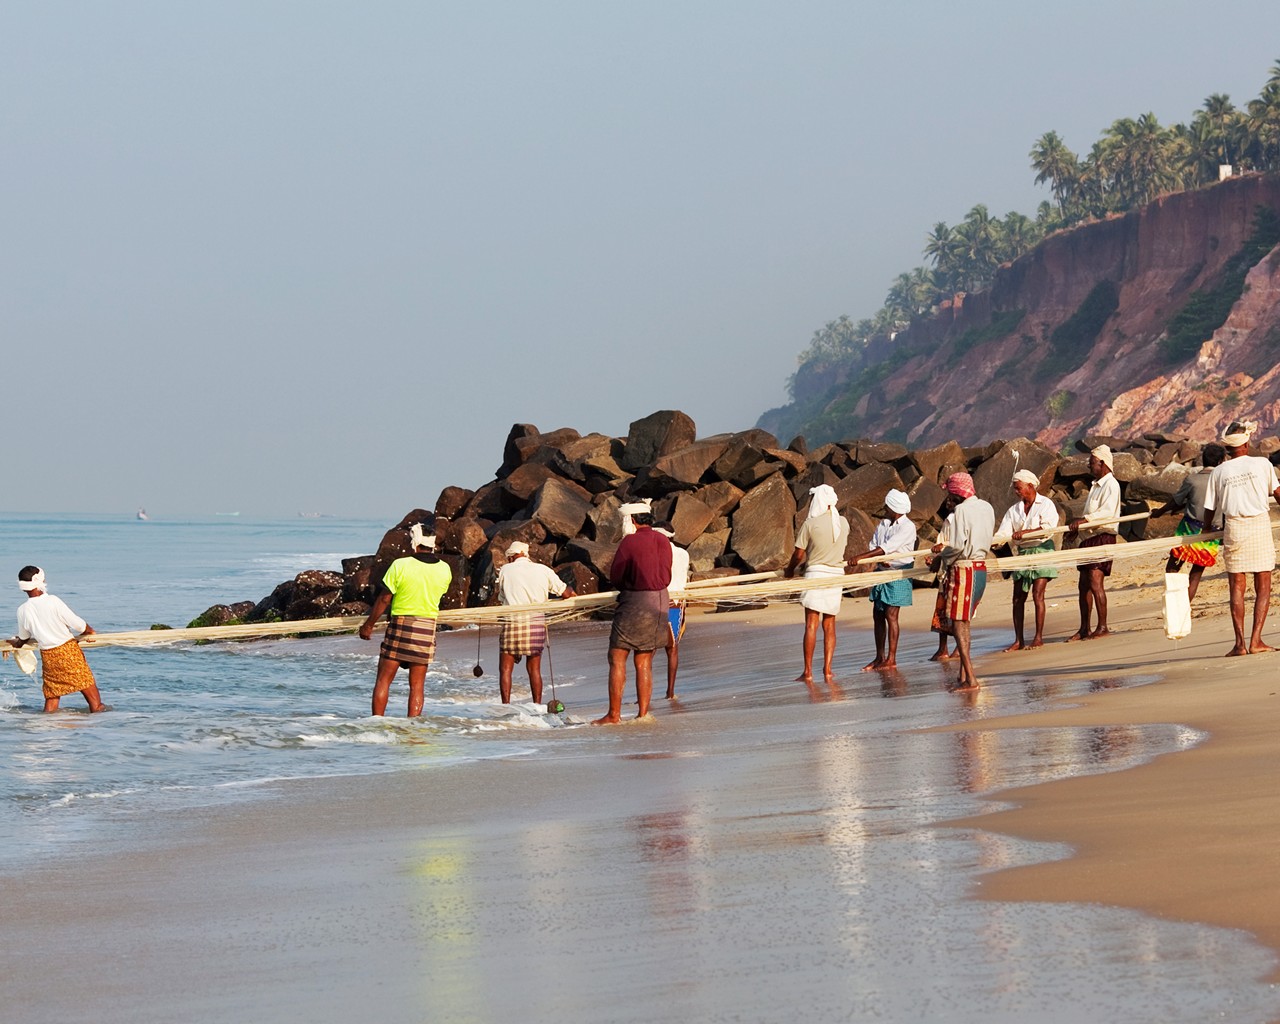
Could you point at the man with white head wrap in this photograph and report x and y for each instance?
(54, 628)
(1240, 491)
(524, 581)
(641, 571)
(894, 534)
(1033, 512)
(1102, 506)
(820, 547)
(410, 592)
(675, 615)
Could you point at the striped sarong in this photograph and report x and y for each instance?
(65, 670)
(960, 595)
(1202, 552)
(410, 640)
(640, 623)
(523, 635)
(1247, 545)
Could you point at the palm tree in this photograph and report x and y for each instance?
(1056, 164)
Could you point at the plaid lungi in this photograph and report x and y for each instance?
(65, 670)
(960, 595)
(523, 635)
(410, 640)
(1202, 552)
(1247, 545)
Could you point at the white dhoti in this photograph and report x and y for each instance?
(1247, 545)
(824, 600)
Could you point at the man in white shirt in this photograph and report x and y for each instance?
(1101, 507)
(54, 627)
(1033, 513)
(961, 553)
(1240, 490)
(675, 617)
(523, 581)
(894, 535)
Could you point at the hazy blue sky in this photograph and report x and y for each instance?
(273, 257)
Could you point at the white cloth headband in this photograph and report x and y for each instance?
(1103, 454)
(35, 583)
(897, 501)
(1025, 476)
(636, 508)
(419, 537)
(1241, 437)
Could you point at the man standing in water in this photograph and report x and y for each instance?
(820, 544)
(411, 590)
(962, 557)
(1240, 490)
(679, 581)
(642, 572)
(894, 535)
(523, 581)
(54, 627)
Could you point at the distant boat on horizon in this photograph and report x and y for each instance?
(316, 515)
(142, 514)
(226, 513)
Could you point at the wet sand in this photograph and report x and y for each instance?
(580, 885)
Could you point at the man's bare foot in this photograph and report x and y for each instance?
(608, 720)
(869, 666)
(1237, 652)
(941, 656)
(806, 678)
(965, 686)
(828, 678)
(1077, 635)
(1101, 631)
(1260, 648)
(1037, 642)
(1017, 645)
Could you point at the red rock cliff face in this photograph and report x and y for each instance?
(964, 386)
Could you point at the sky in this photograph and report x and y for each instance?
(276, 257)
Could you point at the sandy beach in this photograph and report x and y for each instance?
(713, 862)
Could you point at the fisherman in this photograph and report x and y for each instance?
(411, 590)
(1102, 505)
(894, 534)
(961, 557)
(1033, 512)
(675, 616)
(1202, 554)
(820, 547)
(47, 621)
(524, 581)
(641, 571)
(1238, 491)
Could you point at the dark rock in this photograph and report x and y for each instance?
(602, 472)
(489, 502)
(512, 456)
(1091, 441)
(460, 585)
(562, 507)
(880, 451)
(815, 475)
(605, 520)
(993, 480)
(745, 465)
(358, 583)
(1159, 486)
(520, 486)
(689, 518)
(1074, 467)
(792, 464)
(682, 469)
(658, 434)
(272, 607)
(1126, 467)
(1161, 438)
(222, 615)
(464, 536)
(705, 549)
(595, 556)
(313, 605)
(1166, 453)
(926, 501)
(352, 609)
(799, 445)
(866, 487)
(452, 501)
(861, 527)
(579, 577)
(721, 497)
(1189, 452)
(762, 526)
(933, 462)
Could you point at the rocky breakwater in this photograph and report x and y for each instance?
(735, 501)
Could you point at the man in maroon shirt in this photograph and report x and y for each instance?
(641, 571)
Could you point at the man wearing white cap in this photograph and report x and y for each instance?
(820, 547)
(1033, 512)
(410, 590)
(1240, 490)
(641, 571)
(675, 616)
(524, 581)
(1102, 506)
(54, 628)
(895, 534)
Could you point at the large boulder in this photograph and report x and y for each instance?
(689, 518)
(464, 536)
(489, 502)
(926, 501)
(452, 501)
(358, 583)
(721, 497)
(706, 549)
(762, 526)
(460, 583)
(316, 592)
(1126, 467)
(523, 482)
(595, 556)
(880, 451)
(682, 469)
(1159, 486)
(814, 475)
(579, 576)
(271, 608)
(936, 464)
(744, 464)
(512, 455)
(605, 520)
(601, 473)
(866, 487)
(993, 479)
(658, 434)
(561, 506)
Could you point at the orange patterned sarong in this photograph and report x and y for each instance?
(65, 670)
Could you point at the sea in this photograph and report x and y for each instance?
(195, 726)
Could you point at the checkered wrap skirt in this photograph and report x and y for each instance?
(523, 635)
(1247, 545)
(410, 640)
(65, 670)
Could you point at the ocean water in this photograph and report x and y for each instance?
(212, 724)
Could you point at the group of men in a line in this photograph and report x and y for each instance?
(1232, 487)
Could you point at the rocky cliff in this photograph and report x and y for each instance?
(1163, 319)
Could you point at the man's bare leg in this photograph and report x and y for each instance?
(617, 683)
(880, 629)
(1038, 588)
(1261, 601)
(1193, 581)
(673, 663)
(1098, 591)
(810, 642)
(506, 666)
(968, 681)
(941, 653)
(417, 689)
(93, 698)
(644, 682)
(1019, 616)
(51, 704)
(1237, 582)
(1084, 595)
(533, 663)
(382, 684)
(828, 646)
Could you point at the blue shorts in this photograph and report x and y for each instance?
(896, 594)
(675, 619)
